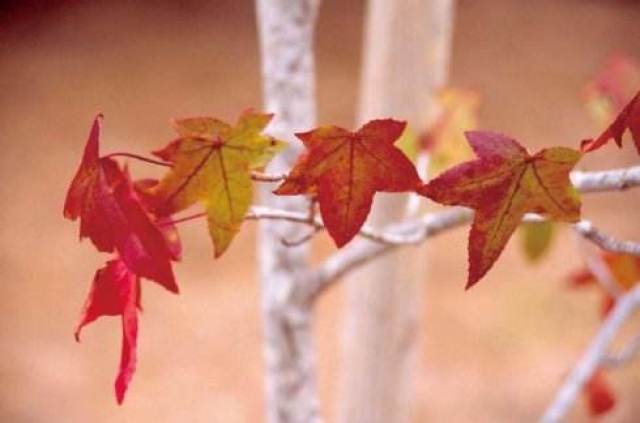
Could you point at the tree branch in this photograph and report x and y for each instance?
(362, 251)
(268, 177)
(604, 241)
(606, 180)
(593, 357)
(625, 355)
(286, 31)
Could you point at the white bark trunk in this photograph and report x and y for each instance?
(406, 57)
(286, 41)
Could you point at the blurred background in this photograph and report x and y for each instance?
(496, 353)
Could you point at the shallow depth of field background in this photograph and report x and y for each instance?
(494, 354)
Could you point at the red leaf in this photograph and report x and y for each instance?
(600, 396)
(346, 169)
(139, 240)
(581, 278)
(89, 197)
(164, 223)
(503, 184)
(116, 292)
(112, 215)
(629, 118)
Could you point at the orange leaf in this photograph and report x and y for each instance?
(503, 184)
(346, 169)
(624, 270)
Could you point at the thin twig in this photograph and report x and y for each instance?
(268, 177)
(593, 357)
(597, 266)
(140, 158)
(604, 241)
(625, 355)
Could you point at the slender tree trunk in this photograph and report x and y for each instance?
(286, 41)
(406, 56)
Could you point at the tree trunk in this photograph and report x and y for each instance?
(406, 56)
(286, 42)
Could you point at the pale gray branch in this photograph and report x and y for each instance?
(606, 180)
(361, 251)
(593, 357)
(625, 355)
(604, 241)
(268, 177)
(286, 32)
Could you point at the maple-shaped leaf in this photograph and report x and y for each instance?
(346, 169)
(112, 215)
(503, 184)
(211, 164)
(600, 396)
(116, 292)
(629, 118)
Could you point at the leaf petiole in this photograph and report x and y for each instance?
(141, 158)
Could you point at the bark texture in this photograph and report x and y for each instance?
(286, 30)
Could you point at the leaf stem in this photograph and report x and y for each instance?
(183, 219)
(141, 158)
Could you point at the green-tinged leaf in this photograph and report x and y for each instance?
(536, 239)
(212, 161)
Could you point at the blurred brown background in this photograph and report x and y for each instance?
(494, 354)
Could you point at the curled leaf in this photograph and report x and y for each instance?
(116, 292)
(112, 215)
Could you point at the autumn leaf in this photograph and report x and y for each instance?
(503, 184)
(346, 169)
(211, 162)
(608, 92)
(112, 215)
(629, 118)
(607, 96)
(624, 270)
(445, 141)
(165, 224)
(600, 396)
(116, 292)
(624, 273)
(89, 197)
(536, 238)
